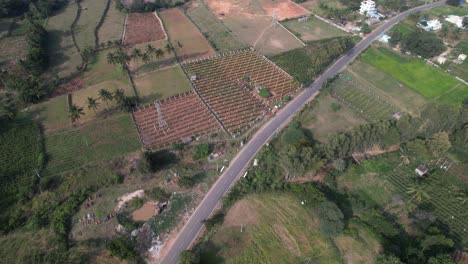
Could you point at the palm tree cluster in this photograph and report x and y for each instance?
(123, 102)
(122, 58)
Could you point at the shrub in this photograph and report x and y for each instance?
(135, 203)
(158, 194)
(264, 92)
(216, 219)
(331, 219)
(189, 257)
(200, 151)
(335, 107)
(122, 247)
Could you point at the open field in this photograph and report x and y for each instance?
(359, 245)
(182, 116)
(91, 142)
(80, 98)
(228, 85)
(384, 178)
(142, 28)
(140, 67)
(283, 9)
(415, 73)
(362, 99)
(162, 84)
(64, 57)
(275, 229)
(188, 42)
(220, 37)
(313, 29)
(113, 25)
(100, 70)
(91, 13)
(13, 48)
(316, 117)
(52, 114)
(446, 10)
(394, 91)
(314, 6)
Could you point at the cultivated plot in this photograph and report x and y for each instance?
(172, 120)
(220, 37)
(185, 38)
(142, 28)
(313, 29)
(229, 84)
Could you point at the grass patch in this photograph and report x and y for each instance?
(113, 26)
(13, 48)
(92, 142)
(415, 73)
(313, 29)
(162, 84)
(318, 115)
(277, 229)
(91, 13)
(168, 59)
(99, 71)
(169, 218)
(52, 114)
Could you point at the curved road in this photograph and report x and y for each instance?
(193, 226)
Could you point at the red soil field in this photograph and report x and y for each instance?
(185, 116)
(284, 9)
(142, 28)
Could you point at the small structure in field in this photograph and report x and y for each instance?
(303, 19)
(441, 60)
(397, 115)
(430, 25)
(421, 170)
(384, 38)
(457, 20)
(193, 78)
(462, 57)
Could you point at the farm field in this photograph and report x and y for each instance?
(162, 84)
(220, 37)
(188, 42)
(415, 73)
(64, 57)
(386, 86)
(92, 12)
(314, 6)
(276, 229)
(100, 70)
(142, 28)
(313, 29)
(362, 99)
(80, 98)
(316, 117)
(52, 114)
(12, 48)
(384, 177)
(113, 26)
(94, 141)
(227, 84)
(182, 116)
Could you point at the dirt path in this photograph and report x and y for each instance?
(127, 197)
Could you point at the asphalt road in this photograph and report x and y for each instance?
(234, 172)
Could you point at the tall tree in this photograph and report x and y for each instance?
(93, 104)
(159, 53)
(105, 96)
(417, 193)
(75, 112)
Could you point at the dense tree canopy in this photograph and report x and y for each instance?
(423, 43)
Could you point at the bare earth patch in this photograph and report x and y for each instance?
(142, 28)
(241, 213)
(127, 197)
(145, 213)
(283, 9)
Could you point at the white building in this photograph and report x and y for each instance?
(457, 20)
(441, 60)
(431, 25)
(462, 57)
(369, 9)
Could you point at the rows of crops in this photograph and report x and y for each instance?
(93, 142)
(219, 82)
(369, 104)
(219, 36)
(20, 149)
(444, 196)
(178, 117)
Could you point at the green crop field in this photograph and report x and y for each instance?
(91, 13)
(276, 228)
(415, 73)
(361, 98)
(313, 29)
(219, 36)
(91, 142)
(161, 84)
(394, 91)
(113, 26)
(64, 56)
(52, 114)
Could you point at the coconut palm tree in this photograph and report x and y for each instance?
(105, 96)
(93, 104)
(145, 58)
(75, 112)
(159, 53)
(111, 58)
(417, 193)
(119, 95)
(169, 48)
(150, 50)
(136, 55)
(179, 44)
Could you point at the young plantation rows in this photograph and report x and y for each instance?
(444, 197)
(369, 104)
(219, 36)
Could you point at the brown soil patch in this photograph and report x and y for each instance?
(283, 9)
(69, 87)
(288, 240)
(145, 212)
(241, 213)
(142, 28)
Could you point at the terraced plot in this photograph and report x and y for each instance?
(228, 83)
(173, 119)
(366, 102)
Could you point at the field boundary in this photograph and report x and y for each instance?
(125, 29)
(100, 23)
(303, 44)
(162, 26)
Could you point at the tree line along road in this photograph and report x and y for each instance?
(195, 223)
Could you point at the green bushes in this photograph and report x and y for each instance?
(36, 38)
(200, 151)
(158, 194)
(122, 247)
(331, 219)
(423, 43)
(166, 220)
(264, 92)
